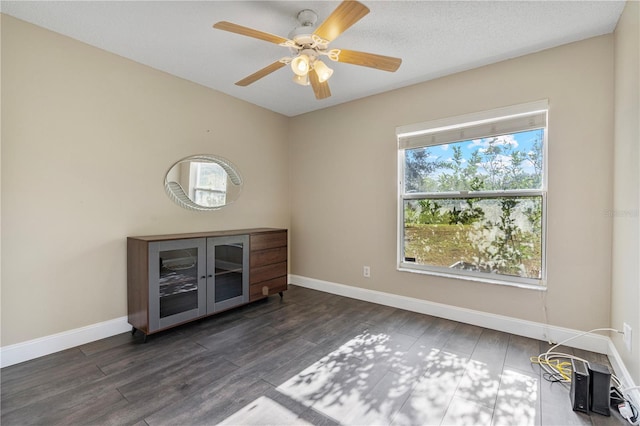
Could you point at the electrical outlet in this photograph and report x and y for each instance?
(366, 271)
(626, 331)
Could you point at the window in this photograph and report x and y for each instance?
(210, 188)
(473, 196)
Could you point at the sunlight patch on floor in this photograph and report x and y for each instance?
(433, 392)
(365, 381)
(464, 412)
(352, 385)
(339, 383)
(264, 411)
(480, 383)
(518, 400)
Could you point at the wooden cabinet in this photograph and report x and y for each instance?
(268, 264)
(174, 279)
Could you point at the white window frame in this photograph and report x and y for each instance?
(500, 121)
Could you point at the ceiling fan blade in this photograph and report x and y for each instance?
(250, 32)
(261, 73)
(380, 62)
(321, 90)
(344, 16)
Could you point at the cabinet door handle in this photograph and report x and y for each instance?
(202, 277)
(210, 276)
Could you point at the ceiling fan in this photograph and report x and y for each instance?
(308, 44)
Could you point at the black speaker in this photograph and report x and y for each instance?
(579, 393)
(600, 388)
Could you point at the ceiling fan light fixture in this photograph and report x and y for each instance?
(300, 65)
(302, 80)
(323, 71)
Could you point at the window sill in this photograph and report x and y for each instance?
(538, 287)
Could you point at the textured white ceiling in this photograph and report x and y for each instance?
(433, 38)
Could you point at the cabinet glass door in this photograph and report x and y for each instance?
(228, 259)
(178, 292)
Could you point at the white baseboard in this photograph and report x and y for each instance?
(590, 342)
(534, 330)
(622, 373)
(25, 351)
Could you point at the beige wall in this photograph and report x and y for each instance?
(344, 174)
(625, 294)
(87, 137)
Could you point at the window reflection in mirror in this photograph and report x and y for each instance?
(203, 182)
(210, 188)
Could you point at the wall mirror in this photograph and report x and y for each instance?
(203, 182)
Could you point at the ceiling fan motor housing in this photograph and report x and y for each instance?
(302, 34)
(307, 17)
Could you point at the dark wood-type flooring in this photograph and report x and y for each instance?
(311, 358)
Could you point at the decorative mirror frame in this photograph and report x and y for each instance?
(180, 197)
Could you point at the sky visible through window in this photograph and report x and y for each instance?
(523, 142)
(506, 162)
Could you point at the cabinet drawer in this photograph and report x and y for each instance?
(276, 285)
(264, 273)
(268, 240)
(268, 257)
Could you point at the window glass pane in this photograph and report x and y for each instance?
(507, 162)
(229, 270)
(494, 235)
(206, 197)
(178, 281)
(211, 176)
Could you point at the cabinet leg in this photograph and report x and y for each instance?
(133, 332)
(281, 295)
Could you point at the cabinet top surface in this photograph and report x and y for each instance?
(206, 234)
